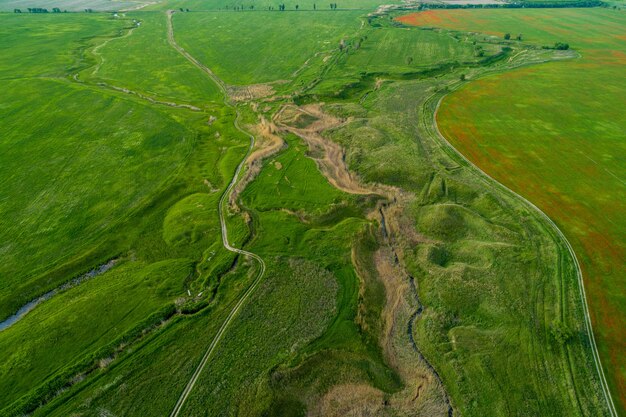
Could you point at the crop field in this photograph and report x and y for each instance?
(220, 208)
(555, 135)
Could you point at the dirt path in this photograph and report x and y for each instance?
(244, 297)
(170, 39)
(95, 50)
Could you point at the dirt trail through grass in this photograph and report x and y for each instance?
(95, 51)
(170, 38)
(207, 355)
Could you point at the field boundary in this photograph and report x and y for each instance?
(194, 378)
(588, 325)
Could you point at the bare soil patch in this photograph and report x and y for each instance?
(268, 143)
(309, 122)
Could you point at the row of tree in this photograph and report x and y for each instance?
(54, 10)
(39, 10)
(516, 5)
(281, 7)
(561, 46)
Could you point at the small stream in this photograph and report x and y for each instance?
(26, 308)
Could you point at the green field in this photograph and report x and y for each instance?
(124, 62)
(245, 7)
(222, 40)
(376, 272)
(406, 50)
(111, 176)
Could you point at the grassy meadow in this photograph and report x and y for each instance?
(70, 5)
(555, 134)
(406, 50)
(50, 45)
(57, 211)
(249, 48)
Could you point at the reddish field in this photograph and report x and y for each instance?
(555, 133)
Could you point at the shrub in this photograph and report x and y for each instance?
(561, 46)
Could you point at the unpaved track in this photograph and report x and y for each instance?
(95, 51)
(170, 38)
(207, 355)
(594, 349)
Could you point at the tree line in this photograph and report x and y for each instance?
(516, 5)
(281, 7)
(39, 10)
(45, 10)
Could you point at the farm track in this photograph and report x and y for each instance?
(95, 51)
(560, 236)
(207, 355)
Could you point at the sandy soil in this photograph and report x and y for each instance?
(268, 143)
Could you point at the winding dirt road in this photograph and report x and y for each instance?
(207, 355)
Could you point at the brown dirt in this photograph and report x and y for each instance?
(396, 285)
(268, 143)
(308, 122)
(423, 394)
(210, 186)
